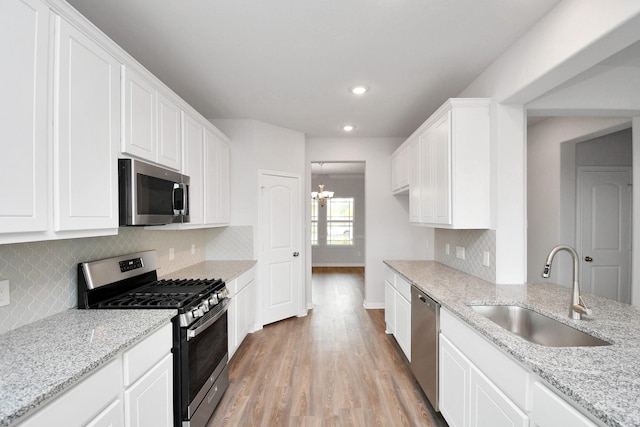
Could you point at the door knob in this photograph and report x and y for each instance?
(588, 259)
(296, 253)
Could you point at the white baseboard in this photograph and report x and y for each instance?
(333, 264)
(373, 305)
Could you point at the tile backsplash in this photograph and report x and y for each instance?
(475, 244)
(43, 275)
(230, 243)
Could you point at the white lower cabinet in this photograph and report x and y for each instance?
(134, 389)
(481, 386)
(242, 309)
(471, 396)
(397, 309)
(149, 402)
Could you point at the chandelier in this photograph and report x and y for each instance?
(321, 195)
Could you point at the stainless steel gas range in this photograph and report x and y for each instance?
(199, 330)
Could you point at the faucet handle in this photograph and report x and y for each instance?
(582, 307)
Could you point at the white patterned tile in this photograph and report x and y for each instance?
(475, 242)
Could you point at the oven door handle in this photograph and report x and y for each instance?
(192, 333)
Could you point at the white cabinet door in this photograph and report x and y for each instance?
(403, 324)
(244, 307)
(139, 117)
(193, 165)
(415, 184)
(149, 402)
(169, 145)
(86, 132)
(441, 167)
(24, 37)
(455, 376)
(217, 179)
(490, 407)
(232, 326)
(389, 307)
(400, 170)
(426, 165)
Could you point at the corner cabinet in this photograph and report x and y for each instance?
(448, 161)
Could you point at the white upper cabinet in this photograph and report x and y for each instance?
(24, 37)
(86, 132)
(193, 165)
(151, 121)
(217, 178)
(400, 170)
(139, 115)
(169, 131)
(449, 167)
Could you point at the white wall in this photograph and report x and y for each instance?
(551, 186)
(259, 146)
(341, 255)
(388, 233)
(573, 37)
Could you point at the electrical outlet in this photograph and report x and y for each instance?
(447, 249)
(460, 252)
(486, 259)
(172, 254)
(4, 293)
(193, 249)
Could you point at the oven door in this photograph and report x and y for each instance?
(204, 365)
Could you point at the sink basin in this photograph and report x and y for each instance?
(535, 327)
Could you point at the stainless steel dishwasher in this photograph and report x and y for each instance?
(425, 327)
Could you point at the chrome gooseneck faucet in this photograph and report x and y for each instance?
(577, 307)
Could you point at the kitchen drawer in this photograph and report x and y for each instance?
(146, 354)
(244, 279)
(510, 377)
(390, 276)
(550, 410)
(403, 287)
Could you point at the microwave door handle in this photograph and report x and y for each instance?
(179, 210)
(185, 199)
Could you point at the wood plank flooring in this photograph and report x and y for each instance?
(334, 367)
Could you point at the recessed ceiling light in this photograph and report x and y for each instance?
(348, 128)
(359, 90)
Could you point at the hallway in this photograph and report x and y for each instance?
(335, 367)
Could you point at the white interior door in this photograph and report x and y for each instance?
(281, 278)
(604, 233)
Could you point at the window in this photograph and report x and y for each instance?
(314, 222)
(340, 221)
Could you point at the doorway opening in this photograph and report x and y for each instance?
(337, 230)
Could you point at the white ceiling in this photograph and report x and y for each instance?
(291, 62)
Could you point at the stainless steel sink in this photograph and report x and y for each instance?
(535, 327)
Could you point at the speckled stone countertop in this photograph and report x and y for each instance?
(40, 360)
(225, 270)
(603, 380)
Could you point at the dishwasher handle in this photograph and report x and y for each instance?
(431, 304)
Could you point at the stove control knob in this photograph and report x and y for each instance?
(223, 293)
(204, 307)
(213, 300)
(196, 312)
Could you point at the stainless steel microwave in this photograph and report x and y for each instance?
(151, 195)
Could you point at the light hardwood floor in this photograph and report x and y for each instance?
(334, 367)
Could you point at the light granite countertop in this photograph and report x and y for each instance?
(40, 360)
(225, 270)
(605, 380)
